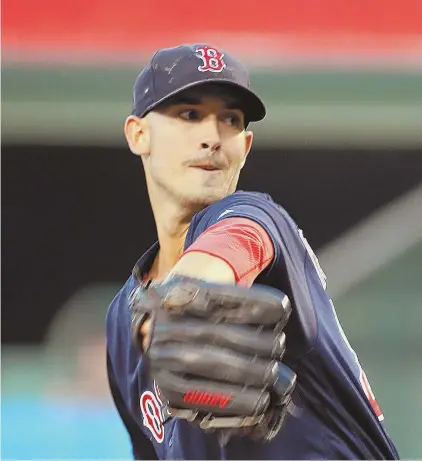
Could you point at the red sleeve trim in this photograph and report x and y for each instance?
(240, 242)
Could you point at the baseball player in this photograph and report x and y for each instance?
(223, 343)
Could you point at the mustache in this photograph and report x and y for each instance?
(215, 161)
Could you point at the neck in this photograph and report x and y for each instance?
(172, 225)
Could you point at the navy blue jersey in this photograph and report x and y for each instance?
(333, 414)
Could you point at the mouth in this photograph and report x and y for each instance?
(209, 168)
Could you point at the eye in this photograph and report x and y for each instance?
(233, 119)
(189, 114)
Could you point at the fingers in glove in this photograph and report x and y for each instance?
(257, 305)
(137, 328)
(144, 307)
(211, 396)
(214, 363)
(284, 385)
(241, 338)
(143, 300)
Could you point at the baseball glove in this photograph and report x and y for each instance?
(215, 353)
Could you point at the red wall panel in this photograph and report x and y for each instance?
(99, 26)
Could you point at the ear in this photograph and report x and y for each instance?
(248, 145)
(137, 135)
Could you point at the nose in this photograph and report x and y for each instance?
(211, 136)
(213, 147)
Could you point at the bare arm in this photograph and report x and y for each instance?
(205, 267)
(233, 251)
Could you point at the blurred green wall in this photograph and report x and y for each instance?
(70, 104)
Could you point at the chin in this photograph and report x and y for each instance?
(204, 198)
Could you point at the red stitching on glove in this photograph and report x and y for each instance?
(213, 399)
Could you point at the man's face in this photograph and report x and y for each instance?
(197, 146)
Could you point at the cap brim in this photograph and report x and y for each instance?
(252, 106)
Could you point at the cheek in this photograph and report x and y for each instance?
(235, 146)
(165, 154)
(236, 155)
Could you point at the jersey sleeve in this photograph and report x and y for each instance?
(288, 269)
(242, 243)
(251, 205)
(125, 371)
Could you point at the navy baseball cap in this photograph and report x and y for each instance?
(172, 70)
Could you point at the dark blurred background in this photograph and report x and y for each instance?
(340, 149)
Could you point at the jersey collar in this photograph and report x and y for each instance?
(144, 263)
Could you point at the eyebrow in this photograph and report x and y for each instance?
(188, 100)
(196, 101)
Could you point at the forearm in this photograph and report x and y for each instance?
(232, 252)
(205, 267)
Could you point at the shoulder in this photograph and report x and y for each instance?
(239, 198)
(257, 206)
(263, 210)
(247, 204)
